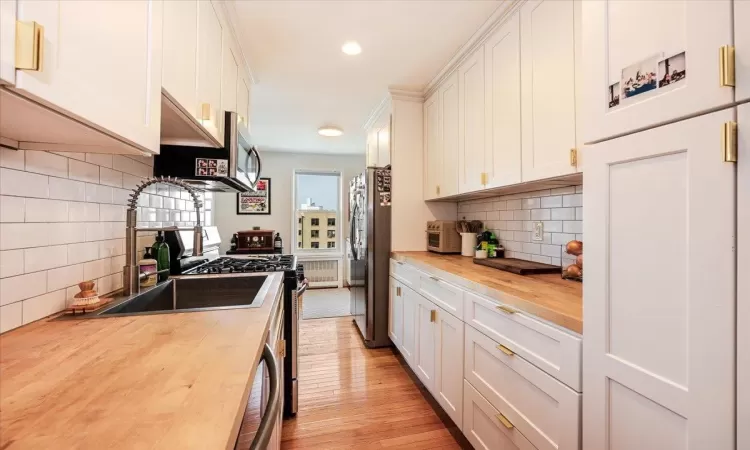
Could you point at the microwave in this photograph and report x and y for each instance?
(233, 168)
(442, 237)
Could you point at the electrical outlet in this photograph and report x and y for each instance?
(538, 234)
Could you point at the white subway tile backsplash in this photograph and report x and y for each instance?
(72, 155)
(579, 213)
(118, 262)
(553, 226)
(112, 213)
(97, 269)
(550, 250)
(43, 306)
(552, 202)
(12, 209)
(23, 184)
(573, 226)
(11, 316)
(130, 181)
(43, 210)
(120, 196)
(143, 200)
(110, 247)
(562, 238)
(514, 204)
(96, 193)
(579, 189)
(12, 159)
(46, 164)
(64, 277)
(21, 287)
(66, 233)
(493, 215)
(531, 248)
(541, 259)
(522, 214)
(514, 225)
(83, 252)
(100, 159)
(563, 190)
(531, 203)
(522, 236)
(540, 214)
(110, 177)
(130, 166)
(83, 212)
(63, 189)
(169, 203)
(44, 258)
(23, 235)
(570, 201)
(563, 214)
(11, 263)
(81, 171)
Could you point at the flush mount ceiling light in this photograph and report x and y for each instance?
(351, 48)
(330, 131)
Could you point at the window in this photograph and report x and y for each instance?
(317, 204)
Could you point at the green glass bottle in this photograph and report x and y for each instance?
(160, 251)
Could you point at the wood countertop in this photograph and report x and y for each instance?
(546, 296)
(166, 381)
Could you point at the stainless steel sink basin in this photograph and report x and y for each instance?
(192, 294)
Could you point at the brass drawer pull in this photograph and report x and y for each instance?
(506, 309)
(433, 315)
(398, 291)
(504, 420)
(505, 350)
(434, 278)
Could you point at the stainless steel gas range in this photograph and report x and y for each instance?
(295, 285)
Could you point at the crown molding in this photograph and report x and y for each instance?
(230, 13)
(408, 95)
(384, 104)
(476, 40)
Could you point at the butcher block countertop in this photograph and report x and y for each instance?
(161, 381)
(546, 296)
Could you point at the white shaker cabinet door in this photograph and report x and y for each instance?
(180, 55)
(396, 312)
(209, 68)
(550, 47)
(449, 135)
(624, 42)
(502, 110)
(101, 62)
(243, 101)
(659, 347)
(7, 42)
(471, 123)
(229, 72)
(742, 47)
(408, 336)
(449, 373)
(743, 282)
(424, 357)
(433, 156)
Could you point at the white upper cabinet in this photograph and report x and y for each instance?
(384, 143)
(209, 68)
(378, 152)
(549, 50)
(181, 53)
(433, 155)
(635, 61)
(8, 42)
(659, 346)
(742, 44)
(448, 174)
(243, 101)
(101, 62)
(229, 73)
(471, 123)
(502, 69)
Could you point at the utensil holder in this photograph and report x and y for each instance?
(468, 244)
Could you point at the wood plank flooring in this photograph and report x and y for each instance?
(352, 397)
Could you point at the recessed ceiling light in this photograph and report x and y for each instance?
(351, 48)
(330, 131)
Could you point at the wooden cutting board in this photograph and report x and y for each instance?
(518, 266)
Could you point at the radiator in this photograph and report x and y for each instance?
(322, 272)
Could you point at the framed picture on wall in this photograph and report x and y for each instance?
(258, 202)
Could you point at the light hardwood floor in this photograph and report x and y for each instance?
(352, 397)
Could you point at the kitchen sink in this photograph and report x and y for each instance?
(192, 294)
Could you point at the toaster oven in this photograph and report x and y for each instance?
(442, 237)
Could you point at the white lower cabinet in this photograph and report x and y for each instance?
(424, 357)
(449, 373)
(483, 427)
(544, 410)
(395, 312)
(409, 300)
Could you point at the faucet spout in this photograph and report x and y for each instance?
(131, 283)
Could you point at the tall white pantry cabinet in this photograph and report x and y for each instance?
(661, 292)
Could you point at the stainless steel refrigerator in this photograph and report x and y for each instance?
(370, 247)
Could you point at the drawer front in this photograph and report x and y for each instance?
(443, 294)
(483, 428)
(552, 350)
(544, 410)
(405, 273)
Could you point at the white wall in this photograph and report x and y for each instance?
(279, 167)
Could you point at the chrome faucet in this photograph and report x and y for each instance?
(130, 273)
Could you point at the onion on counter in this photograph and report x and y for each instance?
(572, 271)
(574, 248)
(579, 260)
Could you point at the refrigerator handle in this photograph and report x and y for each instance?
(351, 232)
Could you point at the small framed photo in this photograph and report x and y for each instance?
(257, 202)
(639, 78)
(672, 70)
(613, 98)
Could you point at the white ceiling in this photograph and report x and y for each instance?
(304, 81)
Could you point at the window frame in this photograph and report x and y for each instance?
(338, 250)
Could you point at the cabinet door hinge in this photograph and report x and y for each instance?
(29, 46)
(574, 157)
(726, 66)
(729, 141)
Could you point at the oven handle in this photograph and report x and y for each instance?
(303, 287)
(268, 422)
